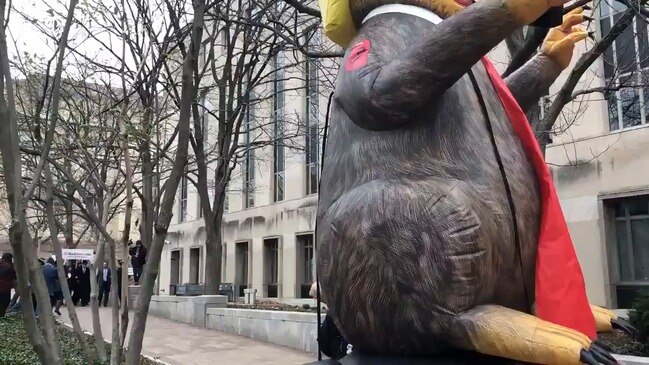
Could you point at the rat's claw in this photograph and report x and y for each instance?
(624, 325)
(601, 353)
(595, 356)
(587, 358)
(602, 345)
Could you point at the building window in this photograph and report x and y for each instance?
(195, 265)
(312, 137)
(182, 213)
(249, 160)
(224, 261)
(225, 38)
(626, 65)
(242, 267)
(278, 129)
(305, 263)
(271, 267)
(175, 270)
(631, 232)
(632, 238)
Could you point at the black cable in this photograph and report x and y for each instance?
(315, 238)
(508, 191)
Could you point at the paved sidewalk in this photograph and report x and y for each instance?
(182, 344)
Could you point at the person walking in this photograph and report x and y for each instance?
(331, 341)
(103, 279)
(138, 259)
(119, 281)
(53, 285)
(82, 278)
(7, 281)
(72, 284)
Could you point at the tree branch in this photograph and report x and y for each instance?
(585, 61)
(301, 8)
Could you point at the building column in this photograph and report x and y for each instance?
(289, 266)
(256, 265)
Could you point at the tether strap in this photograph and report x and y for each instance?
(508, 191)
(315, 238)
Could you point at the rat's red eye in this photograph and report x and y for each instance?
(464, 2)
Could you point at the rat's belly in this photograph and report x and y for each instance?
(402, 256)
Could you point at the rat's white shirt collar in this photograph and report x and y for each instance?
(405, 9)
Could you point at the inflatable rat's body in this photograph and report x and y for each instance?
(417, 249)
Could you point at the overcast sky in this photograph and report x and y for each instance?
(25, 37)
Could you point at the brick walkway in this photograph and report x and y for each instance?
(182, 344)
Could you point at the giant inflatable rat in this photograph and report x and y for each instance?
(418, 252)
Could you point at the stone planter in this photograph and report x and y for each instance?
(291, 329)
(632, 360)
(190, 310)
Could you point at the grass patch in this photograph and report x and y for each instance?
(15, 348)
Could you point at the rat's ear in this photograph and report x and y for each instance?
(337, 22)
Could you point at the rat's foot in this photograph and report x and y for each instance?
(606, 321)
(499, 331)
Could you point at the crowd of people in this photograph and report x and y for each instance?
(78, 278)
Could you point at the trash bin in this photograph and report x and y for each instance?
(172, 289)
(227, 289)
(195, 289)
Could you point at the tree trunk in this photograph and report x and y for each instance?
(16, 231)
(148, 214)
(94, 304)
(213, 244)
(190, 64)
(51, 223)
(129, 197)
(115, 346)
(46, 346)
(213, 255)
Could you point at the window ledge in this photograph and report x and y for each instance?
(605, 134)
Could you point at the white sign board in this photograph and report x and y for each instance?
(78, 254)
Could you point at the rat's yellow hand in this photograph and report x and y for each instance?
(560, 41)
(526, 11)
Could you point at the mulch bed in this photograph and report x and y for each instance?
(623, 344)
(274, 306)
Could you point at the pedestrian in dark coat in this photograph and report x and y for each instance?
(82, 278)
(103, 279)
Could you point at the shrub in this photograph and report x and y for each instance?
(306, 306)
(639, 316)
(15, 347)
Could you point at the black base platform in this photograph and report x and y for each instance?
(459, 358)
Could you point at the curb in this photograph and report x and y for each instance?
(147, 357)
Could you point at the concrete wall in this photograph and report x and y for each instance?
(290, 329)
(190, 310)
(587, 172)
(631, 360)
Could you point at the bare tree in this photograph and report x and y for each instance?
(251, 48)
(46, 346)
(555, 118)
(190, 65)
